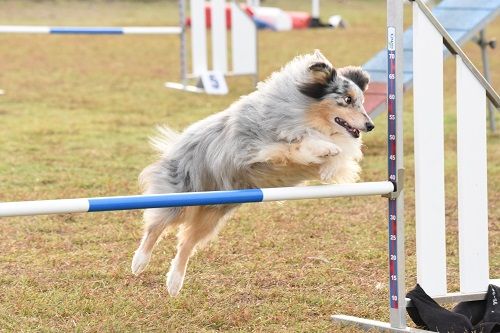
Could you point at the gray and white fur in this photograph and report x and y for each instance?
(302, 123)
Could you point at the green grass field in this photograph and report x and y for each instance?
(75, 122)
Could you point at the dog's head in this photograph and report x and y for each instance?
(335, 96)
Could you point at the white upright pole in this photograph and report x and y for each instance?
(243, 42)
(315, 9)
(219, 36)
(198, 37)
(472, 172)
(429, 155)
(182, 48)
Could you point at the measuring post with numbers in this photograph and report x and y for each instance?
(391, 146)
(395, 162)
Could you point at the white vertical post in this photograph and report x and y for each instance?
(219, 36)
(244, 41)
(315, 9)
(472, 181)
(429, 154)
(198, 36)
(182, 46)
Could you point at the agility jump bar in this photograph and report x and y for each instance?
(61, 206)
(19, 29)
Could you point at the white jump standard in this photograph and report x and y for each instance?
(243, 45)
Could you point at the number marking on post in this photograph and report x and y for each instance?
(392, 165)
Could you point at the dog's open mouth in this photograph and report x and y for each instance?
(353, 131)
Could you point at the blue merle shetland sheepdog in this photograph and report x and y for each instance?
(303, 123)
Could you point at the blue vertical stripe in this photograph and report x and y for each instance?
(175, 200)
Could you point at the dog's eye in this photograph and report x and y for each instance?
(348, 99)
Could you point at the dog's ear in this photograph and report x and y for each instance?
(357, 75)
(317, 53)
(322, 75)
(322, 71)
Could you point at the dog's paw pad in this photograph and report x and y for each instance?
(175, 281)
(328, 150)
(140, 262)
(330, 153)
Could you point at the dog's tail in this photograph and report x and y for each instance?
(164, 140)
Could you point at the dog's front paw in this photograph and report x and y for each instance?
(140, 262)
(326, 149)
(316, 151)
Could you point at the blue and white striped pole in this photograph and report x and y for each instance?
(20, 29)
(43, 207)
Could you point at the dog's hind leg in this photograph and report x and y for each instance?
(156, 221)
(201, 225)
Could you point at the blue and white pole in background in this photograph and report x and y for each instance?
(20, 29)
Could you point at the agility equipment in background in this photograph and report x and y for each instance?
(334, 21)
(463, 19)
(472, 93)
(280, 20)
(210, 80)
(243, 46)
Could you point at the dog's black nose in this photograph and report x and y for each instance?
(369, 127)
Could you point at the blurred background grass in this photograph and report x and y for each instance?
(75, 122)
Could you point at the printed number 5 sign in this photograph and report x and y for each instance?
(214, 83)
